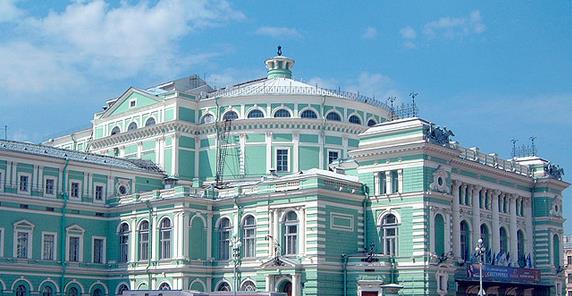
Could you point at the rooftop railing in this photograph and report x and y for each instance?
(493, 160)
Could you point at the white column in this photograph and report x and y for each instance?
(376, 184)
(133, 241)
(40, 179)
(185, 231)
(295, 285)
(496, 228)
(295, 152)
(400, 180)
(476, 213)
(197, 156)
(139, 149)
(110, 184)
(154, 237)
(175, 155)
(456, 219)
(9, 174)
(302, 232)
(268, 151)
(447, 238)
(209, 234)
(181, 246)
(268, 283)
(175, 232)
(275, 232)
(321, 143)
(242, 154)
(528, 241)
(513, 229)
(388, 182)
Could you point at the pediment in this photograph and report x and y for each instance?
(124, 102)
(277, 262)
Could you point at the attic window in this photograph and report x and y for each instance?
(132, 103)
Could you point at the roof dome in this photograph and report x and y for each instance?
(279, 66)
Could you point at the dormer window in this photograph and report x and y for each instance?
(132, 103)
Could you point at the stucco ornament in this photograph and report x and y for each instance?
(440, 181)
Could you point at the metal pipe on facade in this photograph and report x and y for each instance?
(63, 228)
(149, 245)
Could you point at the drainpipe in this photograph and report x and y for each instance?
(63, 228)
(345, 264)
(150, 244)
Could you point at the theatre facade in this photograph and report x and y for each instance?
(272, 185)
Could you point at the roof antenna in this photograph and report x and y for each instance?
(392, 99)
(413, 95)
(532, 145)
(279, 50)
(513, 141)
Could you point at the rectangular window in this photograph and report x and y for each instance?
(98, 193)
(74, 189)
(132, 104)
(394, 181)
(569, 260)
(382, 183)
(333, 156)
(291, 239)
(22, 244)
(281, 160)
(50, 186)
(24, 186)
(73, 248)
(98, 247)
(49, 247)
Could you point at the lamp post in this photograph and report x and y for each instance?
(236, 244)
(480, 250)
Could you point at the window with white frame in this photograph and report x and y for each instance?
(282, 160)
(333, 155)
(48, 246)
(249, 236)
(99, 192)
(24, 183)
(23, 231)
(144, 240)
(74, 248)
(98, 250)
(123, 242)
(132, 103)
(1, 242)
(224, 229)
(1, 181)
(394, 181)
(74, 189)
(291, 233)
(389, 232)
(50, 188)
(165, 238)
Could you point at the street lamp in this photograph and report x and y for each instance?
(236, 244)
(480, 250)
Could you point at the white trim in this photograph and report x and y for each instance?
(98, 282)
(2, 231)
(2, 177)
(200, 282)
(76, 231)
(44, 183)
(318, 115)
(103, 192)
(255, 107)
(55, 250)
(104, 250)
(79, 190)
(339, 151)
(74, 281)
(282, 106)
(289, 158)
(48, 280)
(358, 116)
(28, 185)
(336, 111)
(25, 229)
(121, 284)
(219, 283)
(22, 278)
(133, 100)
(341, 216)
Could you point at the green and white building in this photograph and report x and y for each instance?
(326, 194)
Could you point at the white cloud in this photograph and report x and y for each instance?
(369, 33)
(278, 32)
(8, 11)
(450, 27)
(373, 85)
(408, 34)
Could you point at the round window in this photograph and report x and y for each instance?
(122, 189)
(440, 181)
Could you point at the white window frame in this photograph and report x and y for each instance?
(2, 231)
(74, 231)
(29, 185)
(134, 101)
(333, 150)
(46, 178)
(2, 177)
(289, 158)
(55, 234)
(28, 247)
(104, 249)
(103, 192)
(79, 189)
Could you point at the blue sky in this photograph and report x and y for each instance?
(488, 70)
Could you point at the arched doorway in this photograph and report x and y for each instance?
(285, 286)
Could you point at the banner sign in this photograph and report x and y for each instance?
(494, 273)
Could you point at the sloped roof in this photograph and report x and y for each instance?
(59, 153)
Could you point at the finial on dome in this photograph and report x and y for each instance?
(279, 66)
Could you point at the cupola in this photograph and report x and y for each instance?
(279, 66)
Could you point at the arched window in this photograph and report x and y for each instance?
(465, 236)
(308, 114)
(520, 248)
(144, 240)
(282, 113)
(115, 131)
(485, 235)
(334, 116)
(97, 292)
(21, 290)
(291, 233)
(230, 115)
(208, 118)
(122, 289)
(249, 236)
(248, 286)
(224, 239)
(503, 240)
(439, 235)
(150, 122)
(224, 286)
(389, 233)
(371, 122)
(73, 292)
(164, 286)
(47, 291)
(255, 114)
(165, 238)
(132, 126)
(123, 242)
(354, 119)
(556, 250)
